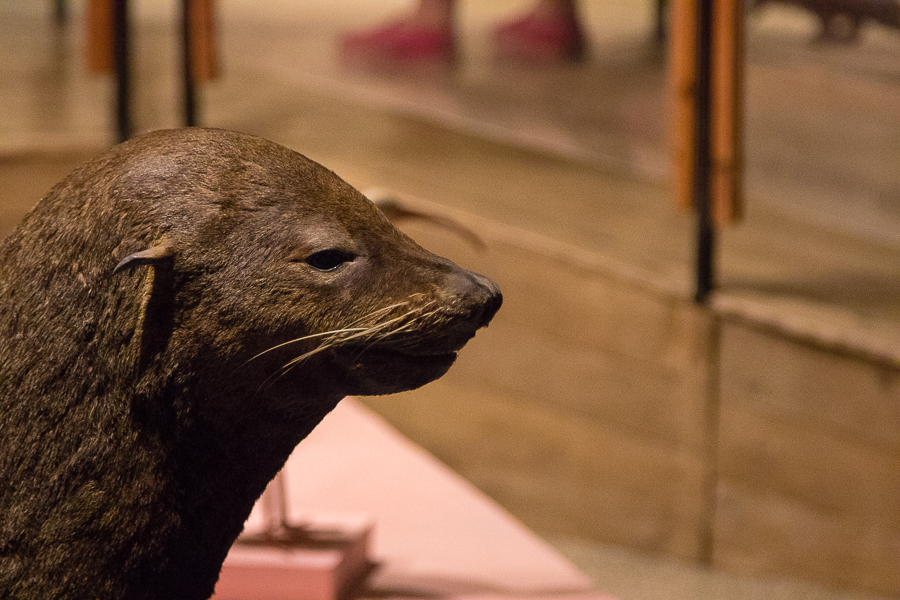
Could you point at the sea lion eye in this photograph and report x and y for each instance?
(328, 260)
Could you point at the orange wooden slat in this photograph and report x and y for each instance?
(98, 36)
(682, 96)
(202, 21)
(727, 112)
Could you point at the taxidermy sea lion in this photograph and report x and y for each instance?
(175, 317)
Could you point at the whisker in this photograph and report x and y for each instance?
(362, 333)
(337, 337)
(400, 329)
(335, 331)
(304, 338)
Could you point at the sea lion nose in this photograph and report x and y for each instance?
(493, 298)
(479, 295)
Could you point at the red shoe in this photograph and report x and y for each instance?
(540, 39)
(402, 41)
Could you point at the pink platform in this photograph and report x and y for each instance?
(434, 536)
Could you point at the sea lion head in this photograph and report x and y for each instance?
(288, 272)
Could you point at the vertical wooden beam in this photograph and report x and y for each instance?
(199, 60)
(201, 16)
(682, 91)
(727, 111)
(689, 76)
(98, 36)
(706, 89)
(108, 48)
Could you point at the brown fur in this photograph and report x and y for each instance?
(165, 325)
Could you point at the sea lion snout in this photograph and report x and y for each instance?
(419, 339)
(478, 296)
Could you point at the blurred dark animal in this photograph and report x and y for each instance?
(842, 19)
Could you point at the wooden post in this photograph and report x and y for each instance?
(200, 15)
(727, 111)
(726, 105)
(682, 95)
(199, 61)
(108, 49)
(98, 36)
(706, 64)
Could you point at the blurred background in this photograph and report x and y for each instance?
(743, 446)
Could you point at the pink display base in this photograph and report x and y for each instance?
(328, 565)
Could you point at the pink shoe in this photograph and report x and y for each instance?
(402, 41)
(540, 39)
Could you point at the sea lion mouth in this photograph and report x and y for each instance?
(383, 352)
(381, 369)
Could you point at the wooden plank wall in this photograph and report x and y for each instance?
(600, 407)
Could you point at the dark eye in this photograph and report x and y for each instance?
(328, 260)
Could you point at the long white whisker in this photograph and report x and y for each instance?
(400, 329)
(304, 338)
(337, 336)
(335, 331)
(379, 311)
(363, 333)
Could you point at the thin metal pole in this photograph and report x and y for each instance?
(122, 60)
(60, 12)
(190, 100)
(706, 235)
(661, 24)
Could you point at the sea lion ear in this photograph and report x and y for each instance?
(151, 256)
